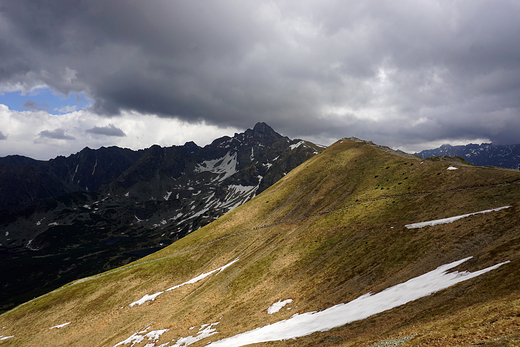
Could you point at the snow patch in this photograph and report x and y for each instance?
(360, 308)
(277, 306)
(451, 168)
(161, 223)
(167, 196)
(30, 247)
(224, 167)
(202, 276)
(205, 330)
(297, 145)
(139, 337)
(152, 297)
(145, 298)
(450, 219)
(59, 326)
(241, 190)
(2, 337)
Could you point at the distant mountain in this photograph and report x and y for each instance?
(486, 154)
(358, 246)
(99, 209)
(24, 180)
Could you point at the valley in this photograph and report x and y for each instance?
(123, 205)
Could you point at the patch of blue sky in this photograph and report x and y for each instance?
(44, 99)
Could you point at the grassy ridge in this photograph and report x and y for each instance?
(331, 230)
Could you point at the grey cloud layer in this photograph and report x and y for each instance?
(36, 106)
(57, 134)
(392, 72)
(109, 130)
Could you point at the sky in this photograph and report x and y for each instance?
(411, 75)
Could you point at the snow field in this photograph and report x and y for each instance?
(364, 306)
(307, 323)
(225, 166)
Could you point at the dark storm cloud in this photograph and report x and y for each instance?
(57, 134)
(109, 130)
(399, 72)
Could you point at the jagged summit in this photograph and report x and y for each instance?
(121, 204)
(263, 130)
(191, 146)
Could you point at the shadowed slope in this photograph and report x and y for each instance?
(330, 231)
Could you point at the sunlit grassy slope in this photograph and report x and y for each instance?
(331, 230)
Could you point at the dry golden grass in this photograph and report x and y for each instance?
(331, 230)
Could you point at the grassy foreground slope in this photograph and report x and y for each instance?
(330, 231)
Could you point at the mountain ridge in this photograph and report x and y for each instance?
(328, 233)
(110, 206)
(485, 154)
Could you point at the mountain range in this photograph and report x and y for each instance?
(485, 154)
(75, 216)
(359, 245)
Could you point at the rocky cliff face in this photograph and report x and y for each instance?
(100, 209)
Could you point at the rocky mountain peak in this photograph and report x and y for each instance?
(260, 134)
(261, 129)
(121, 204)
(191, 146)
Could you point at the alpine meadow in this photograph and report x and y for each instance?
(360, 245)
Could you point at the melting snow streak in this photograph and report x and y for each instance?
(451, 219)
(360, 308)
(59, 326)
(205, 331)
(152, 297)
(139, 337)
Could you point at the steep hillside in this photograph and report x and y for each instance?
(330, 255)
(116, 205)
